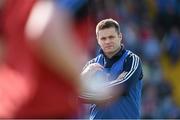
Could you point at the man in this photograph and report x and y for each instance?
(39, 75)
(122, 73)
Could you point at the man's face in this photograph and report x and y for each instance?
(109, 40)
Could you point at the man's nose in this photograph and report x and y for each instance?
(107, 41)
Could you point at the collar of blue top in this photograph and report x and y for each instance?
(115, 58)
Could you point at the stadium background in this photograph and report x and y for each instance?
(151, 29)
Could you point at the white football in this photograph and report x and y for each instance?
(96, 87)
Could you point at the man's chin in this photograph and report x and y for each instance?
(108, 50)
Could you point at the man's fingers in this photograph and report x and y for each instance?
(96, 66)
(91, 69)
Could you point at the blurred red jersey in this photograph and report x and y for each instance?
(35, 91)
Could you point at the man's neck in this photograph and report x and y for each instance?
(110, 55)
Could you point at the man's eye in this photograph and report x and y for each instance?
(110, 37)
(103, 39)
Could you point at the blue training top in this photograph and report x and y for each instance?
(128, 105)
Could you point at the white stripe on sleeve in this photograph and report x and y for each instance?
(134, 66)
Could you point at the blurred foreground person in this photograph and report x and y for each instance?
(39, 70)
(113, 79)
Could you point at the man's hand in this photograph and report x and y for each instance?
(95, 87)
(91, 70)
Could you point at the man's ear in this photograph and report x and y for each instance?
(120, 35)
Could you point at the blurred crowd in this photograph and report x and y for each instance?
(151, 29)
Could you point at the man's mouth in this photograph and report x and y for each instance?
(108, 47)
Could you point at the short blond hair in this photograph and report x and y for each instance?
(107, 23)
